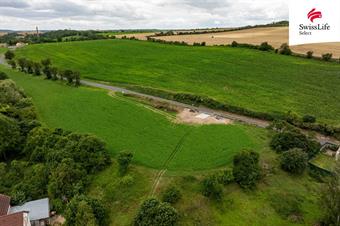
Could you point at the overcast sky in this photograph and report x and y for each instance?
(130, 14)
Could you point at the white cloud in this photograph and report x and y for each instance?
(122, 14)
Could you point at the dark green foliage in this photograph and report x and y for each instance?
(294, 161)
(97, 213)
(327, 56)
(66, 180)
(265, 47)
(171, 195)
(285, 50)
(46, 62)
(12, 63)
(22, 62)
(9, 55)
(225, 177)
(310, 54)
(154, 213)
(287, 206)
(330, 199)
(234, 44)
(52, 146)
(36, 68)
(9, 137)
(309, 119)
(124, 159)
(288, 140)
(246, 169)
(3, 75)
(211, 188)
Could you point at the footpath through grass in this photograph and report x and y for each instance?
(259, 81)
(127, 125)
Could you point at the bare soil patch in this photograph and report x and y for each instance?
(275, 36)
(189, 116)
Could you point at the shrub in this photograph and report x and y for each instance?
(12, 63)
(9, 55)
(265, 47)
(289, 139)
(3, 75)
(225, 177)
(310, 54)
(309, 119)
(246, 169)
(124, 159)
(211, 188)
(285, 50)
(327, 56)
(171, 195)
(234, 44)
(294, 161)
(154, 213)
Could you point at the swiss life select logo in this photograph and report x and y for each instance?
(307, 29)
(314, 21)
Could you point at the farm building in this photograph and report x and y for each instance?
(34, 213)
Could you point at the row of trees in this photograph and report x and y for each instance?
(43, 67)
(36, 162)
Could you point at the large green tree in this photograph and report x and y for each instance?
(246, 169)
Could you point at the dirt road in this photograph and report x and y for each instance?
(227, 115)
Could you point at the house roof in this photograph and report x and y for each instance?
(15, 219)
(37, 210)
(4, 204)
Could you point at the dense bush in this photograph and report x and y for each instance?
(294, 161)
(285, 50)
(9, 137)
(288, 140)
(124, 159)
(310, 54)
(82, 210)
(234, 44)
(171, 195)
(154, 213)
(246, 169)
(309, 119)
(265, 47)
(9, 55)
(327, 56)
(3, 75)
(225, 177)
(211, 188)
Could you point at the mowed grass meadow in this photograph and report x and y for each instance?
(126, 125)
(259, 81)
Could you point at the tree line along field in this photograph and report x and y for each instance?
(125, 125)
(258, 81)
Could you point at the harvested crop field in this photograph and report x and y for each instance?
(273, 35)
(139, 36)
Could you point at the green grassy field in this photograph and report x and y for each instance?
(127, 125)
(255, 80)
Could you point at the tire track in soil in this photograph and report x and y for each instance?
(167, 162)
